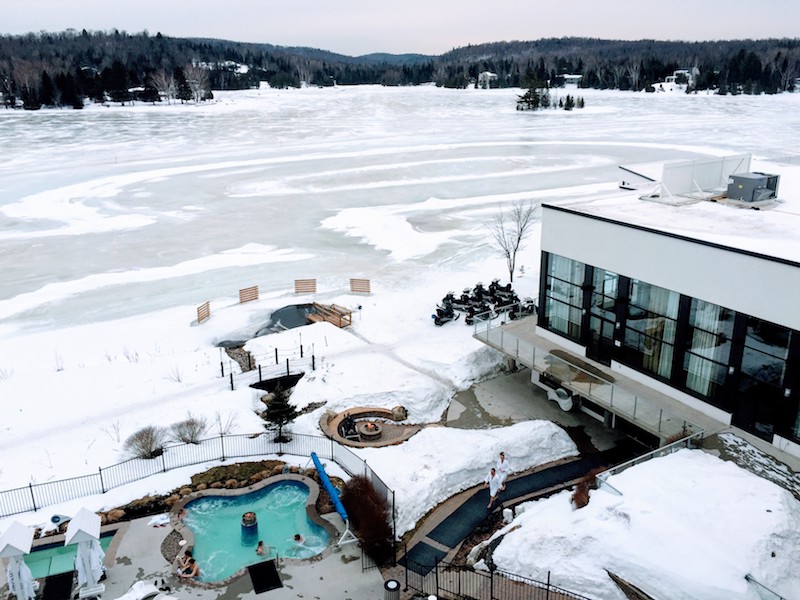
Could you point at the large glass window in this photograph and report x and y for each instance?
(604, 295)
(766, 348)
(563, 305)
(708, 348)
(650, 327)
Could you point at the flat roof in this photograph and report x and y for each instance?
(773, 231)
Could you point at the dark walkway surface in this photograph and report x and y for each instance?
(456, 527)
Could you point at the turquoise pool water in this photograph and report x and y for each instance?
(220, 547)
(51, 560)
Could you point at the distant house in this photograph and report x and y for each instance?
(683, 77)
(485, 79)
(573, 80)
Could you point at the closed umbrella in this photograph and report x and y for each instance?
(89, 562)
(84, 530)
(20, 578)
(14, 544)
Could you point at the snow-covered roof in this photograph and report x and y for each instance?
(773, 230)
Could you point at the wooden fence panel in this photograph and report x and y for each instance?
(305, 286)
(248, 294)
(204, 312)
(360, 286)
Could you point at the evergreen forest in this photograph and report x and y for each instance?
(71, 68)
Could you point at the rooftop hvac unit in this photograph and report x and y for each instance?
(752, 187)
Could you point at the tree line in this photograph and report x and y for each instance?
(71, 67)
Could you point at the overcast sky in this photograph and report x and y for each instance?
(357, 27)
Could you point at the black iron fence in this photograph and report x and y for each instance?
(459, 582)
(35, 496)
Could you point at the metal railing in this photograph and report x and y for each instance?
(268, 365)
(762, 590)
(640, 411)
(686, 442)
(446, 580)
(35, 496)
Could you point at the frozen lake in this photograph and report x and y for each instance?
(109, 212)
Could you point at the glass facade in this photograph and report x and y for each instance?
(737, 362)
(650, 328)
(708, 348)
(564, 297)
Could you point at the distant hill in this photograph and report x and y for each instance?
(66, 68)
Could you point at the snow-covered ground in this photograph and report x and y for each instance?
(117, 222)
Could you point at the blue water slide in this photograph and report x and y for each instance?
(332, 491)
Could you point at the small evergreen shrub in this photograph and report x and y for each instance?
(148, 442)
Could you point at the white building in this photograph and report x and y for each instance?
(667, 314)
(485, 79)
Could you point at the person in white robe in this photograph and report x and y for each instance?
(492, 482)
(503, 469)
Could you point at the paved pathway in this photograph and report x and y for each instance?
(468, 510)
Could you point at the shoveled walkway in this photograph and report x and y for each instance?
(468, 510)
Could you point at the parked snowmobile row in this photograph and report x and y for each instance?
(482, 303)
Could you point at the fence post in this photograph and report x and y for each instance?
(287, 367)
(301, 350)
(33, 498)
(547, 597)
(313, 363)
(405, 553)
(102, 485)
(231, 380)
(222, 368)
(276, 355)
(436, 574)
(259, 374)
(249, 362)
(163, 462)
(222, 445)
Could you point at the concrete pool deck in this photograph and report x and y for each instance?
(336, 576)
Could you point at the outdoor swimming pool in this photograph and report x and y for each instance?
(53, 559)
(220, 547)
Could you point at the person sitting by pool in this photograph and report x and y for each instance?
(249, 518)
(191, 570)
(183, 561)
(260, 548)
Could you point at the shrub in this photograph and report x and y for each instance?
(580, 495)
(369, 517)
(190, 431)
(148, 442)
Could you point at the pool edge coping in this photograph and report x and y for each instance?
(311, 512)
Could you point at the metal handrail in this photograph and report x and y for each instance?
(605, 393)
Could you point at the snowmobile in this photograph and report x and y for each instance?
(444, 314)
(480, 312)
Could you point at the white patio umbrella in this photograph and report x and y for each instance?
(14, 544)
(84, 530)
(20, 579)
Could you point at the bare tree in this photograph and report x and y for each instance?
(197, 78)
(509, 230)
(164, 84)
(634, 72)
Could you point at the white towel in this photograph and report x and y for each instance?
(159, 520)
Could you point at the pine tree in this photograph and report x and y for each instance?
(279, 412)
